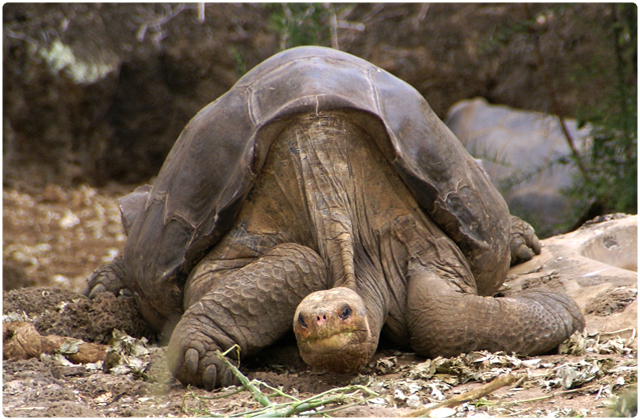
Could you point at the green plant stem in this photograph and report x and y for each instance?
(277, 392)
(259, 396)
(221, 396)
(287, 409)
(296, 408)
(342, 407)
(342, 390)
(300, 406)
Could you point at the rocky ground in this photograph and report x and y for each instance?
(55, 237)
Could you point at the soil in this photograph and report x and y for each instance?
(54, 238)
(67, 313)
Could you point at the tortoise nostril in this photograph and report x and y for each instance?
(301, 321)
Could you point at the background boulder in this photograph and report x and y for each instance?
(527, 156)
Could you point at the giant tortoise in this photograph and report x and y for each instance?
(323, 193)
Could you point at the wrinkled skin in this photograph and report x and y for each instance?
(334, 240)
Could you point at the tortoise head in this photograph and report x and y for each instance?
(332, 330)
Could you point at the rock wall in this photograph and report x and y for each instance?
(99, 92)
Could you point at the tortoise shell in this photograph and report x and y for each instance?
(213, 165)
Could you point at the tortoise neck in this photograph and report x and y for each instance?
(370, 285)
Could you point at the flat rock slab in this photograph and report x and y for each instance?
(596, 265)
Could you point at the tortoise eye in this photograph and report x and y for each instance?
(301, 321)
(346, 312)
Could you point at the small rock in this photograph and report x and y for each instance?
(53, 194)
(69, 220)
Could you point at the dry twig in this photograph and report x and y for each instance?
(467, 396)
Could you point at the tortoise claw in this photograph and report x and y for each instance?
(524, 253)
(209, 377)
(191, 359)
(97, 290)
(191, 356)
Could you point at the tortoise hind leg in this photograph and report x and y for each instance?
(444, 321)
(107, 278)
(251, 306)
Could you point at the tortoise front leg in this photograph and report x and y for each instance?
(445, 321)
(107, 278)
(523, 245)
(251, 306)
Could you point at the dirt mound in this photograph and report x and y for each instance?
(611, 301)
(67, 313)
